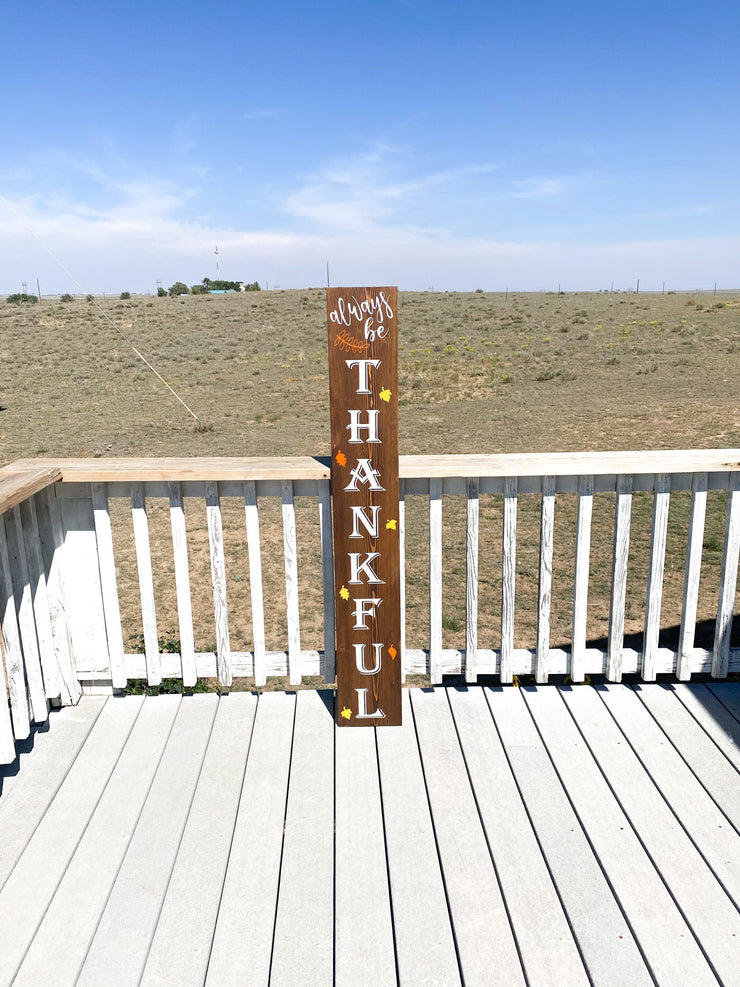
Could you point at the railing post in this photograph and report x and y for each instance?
(26, 622)
(327, 577)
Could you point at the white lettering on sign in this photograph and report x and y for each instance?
(360, 659)
(361, 611)
(359, 517)
(362, 707)
(357, 567)
(363, 386)
(364, 473)
(371, 313)
(355, 425)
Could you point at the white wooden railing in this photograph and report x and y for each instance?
(61, 566)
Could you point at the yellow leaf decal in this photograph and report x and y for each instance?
(346, 713)
(385, 394)
(390, 525)
(341, 459)
(344, 593)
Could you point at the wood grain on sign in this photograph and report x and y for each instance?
(363, 381)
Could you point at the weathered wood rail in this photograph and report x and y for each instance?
(59, 602)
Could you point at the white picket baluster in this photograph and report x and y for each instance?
(728, 581)
(182, 586)
(618, 600)
(471, 582)
(435, 580)
(508, 589)
(655, 575)
(12, 650)
(580, 585)
(218, 579)
(41, 606)
(692, 576)
(146, 584)
(26, 622)
(291, 582)
(547, 529)
(255, 582)
(109, 584)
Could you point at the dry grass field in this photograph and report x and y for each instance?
(479, 373)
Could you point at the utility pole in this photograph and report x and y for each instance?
(38, 289)
(218, 277)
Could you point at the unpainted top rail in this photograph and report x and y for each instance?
(410, 467)
(18, 482)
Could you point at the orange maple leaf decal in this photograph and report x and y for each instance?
(392, 652)
(341, 459)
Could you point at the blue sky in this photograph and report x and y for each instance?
(412, 143)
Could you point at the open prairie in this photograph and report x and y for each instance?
(479, 373)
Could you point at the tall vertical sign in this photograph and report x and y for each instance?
(363, 379)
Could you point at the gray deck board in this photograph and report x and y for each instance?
(483, 932)
(425, 944)
(119, 948)
(27, 794)
(716, 773)
(500, 836)
(713, 716)
(665, 938)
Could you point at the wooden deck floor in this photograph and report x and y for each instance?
(501, 836)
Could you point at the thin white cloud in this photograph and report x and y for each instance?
(364, 191)
(264, 114)
(539, 188)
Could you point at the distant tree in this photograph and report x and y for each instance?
(178, 288)
(20, 298)
(252, 286)
(124, 296)
(209, 285)
(161, 292)
(89, 298)
(66, 297)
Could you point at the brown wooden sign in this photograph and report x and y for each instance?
(363, 383)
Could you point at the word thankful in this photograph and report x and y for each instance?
(364, 417)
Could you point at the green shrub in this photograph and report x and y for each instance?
(67, 297)
(124, 296)
(178, 288)
(20, 298)
(89, 298)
